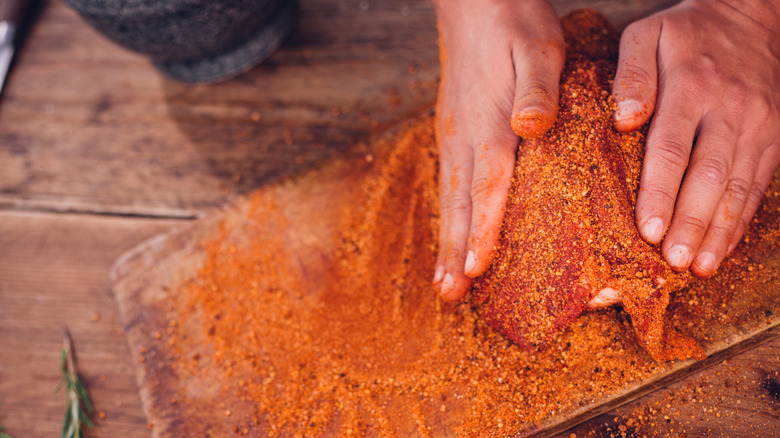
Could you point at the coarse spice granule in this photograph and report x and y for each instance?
(367, 349)
(358, 344)
(374, 347)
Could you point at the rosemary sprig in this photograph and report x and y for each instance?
(78, 400)
(2, 432)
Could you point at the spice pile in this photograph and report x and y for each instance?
(364, 347)
(354, 341)
(373, 350)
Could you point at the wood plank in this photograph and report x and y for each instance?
(151, 287)
(83, 127)
(54, 273)
(738, 397)
(88, 126)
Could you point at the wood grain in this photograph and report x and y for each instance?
(88, 126)
(150, 276)
(54, 273)
(735, 398)
(51, 264)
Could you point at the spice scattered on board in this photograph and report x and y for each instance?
(263, 342)
(365, 347)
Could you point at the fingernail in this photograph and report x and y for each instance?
(679, 256)
(471, 262)
(626, 109)
(529, 123)
(653, 229)
(438, 274)
(706, 261)
(447, 285)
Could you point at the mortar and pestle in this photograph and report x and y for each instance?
(194, 40)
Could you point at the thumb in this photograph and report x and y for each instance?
(636, 80)
(536, 89)
(538, 67)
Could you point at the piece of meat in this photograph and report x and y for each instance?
(569, 236)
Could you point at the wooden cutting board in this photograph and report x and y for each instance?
(303, 229)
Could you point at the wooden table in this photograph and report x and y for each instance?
(99, 152)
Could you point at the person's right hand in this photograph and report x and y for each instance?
(501, 61)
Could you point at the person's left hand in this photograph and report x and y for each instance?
(714, 141)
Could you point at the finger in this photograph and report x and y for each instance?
(701, 191)
(726, 216)
(636, 79)
(538, 67)
(438, 273)
(456, 206)
(767, 165)
(493, 169)
(442, 140)
(669, 143)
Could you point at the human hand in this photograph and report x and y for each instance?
(501, 61)
(714, 141)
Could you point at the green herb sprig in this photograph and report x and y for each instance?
(78, 401)
(2, 432)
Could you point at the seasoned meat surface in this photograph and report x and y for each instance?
(569, 238)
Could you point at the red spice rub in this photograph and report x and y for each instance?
(361, 346)
(569, 228)
(282, 334)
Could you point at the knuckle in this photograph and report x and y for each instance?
(532, 41)
(534, 90)
(633, 76)
(756, 192)
(658, 192)
(764, 110)
(452, 256)
(693, 82)
(705, 68)
(476, 232)
(694, 224)
(455, 205)
(722, 232)
(738, 189)
(713, 170)
(736, 97)
(482, 188)
(671, 153)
